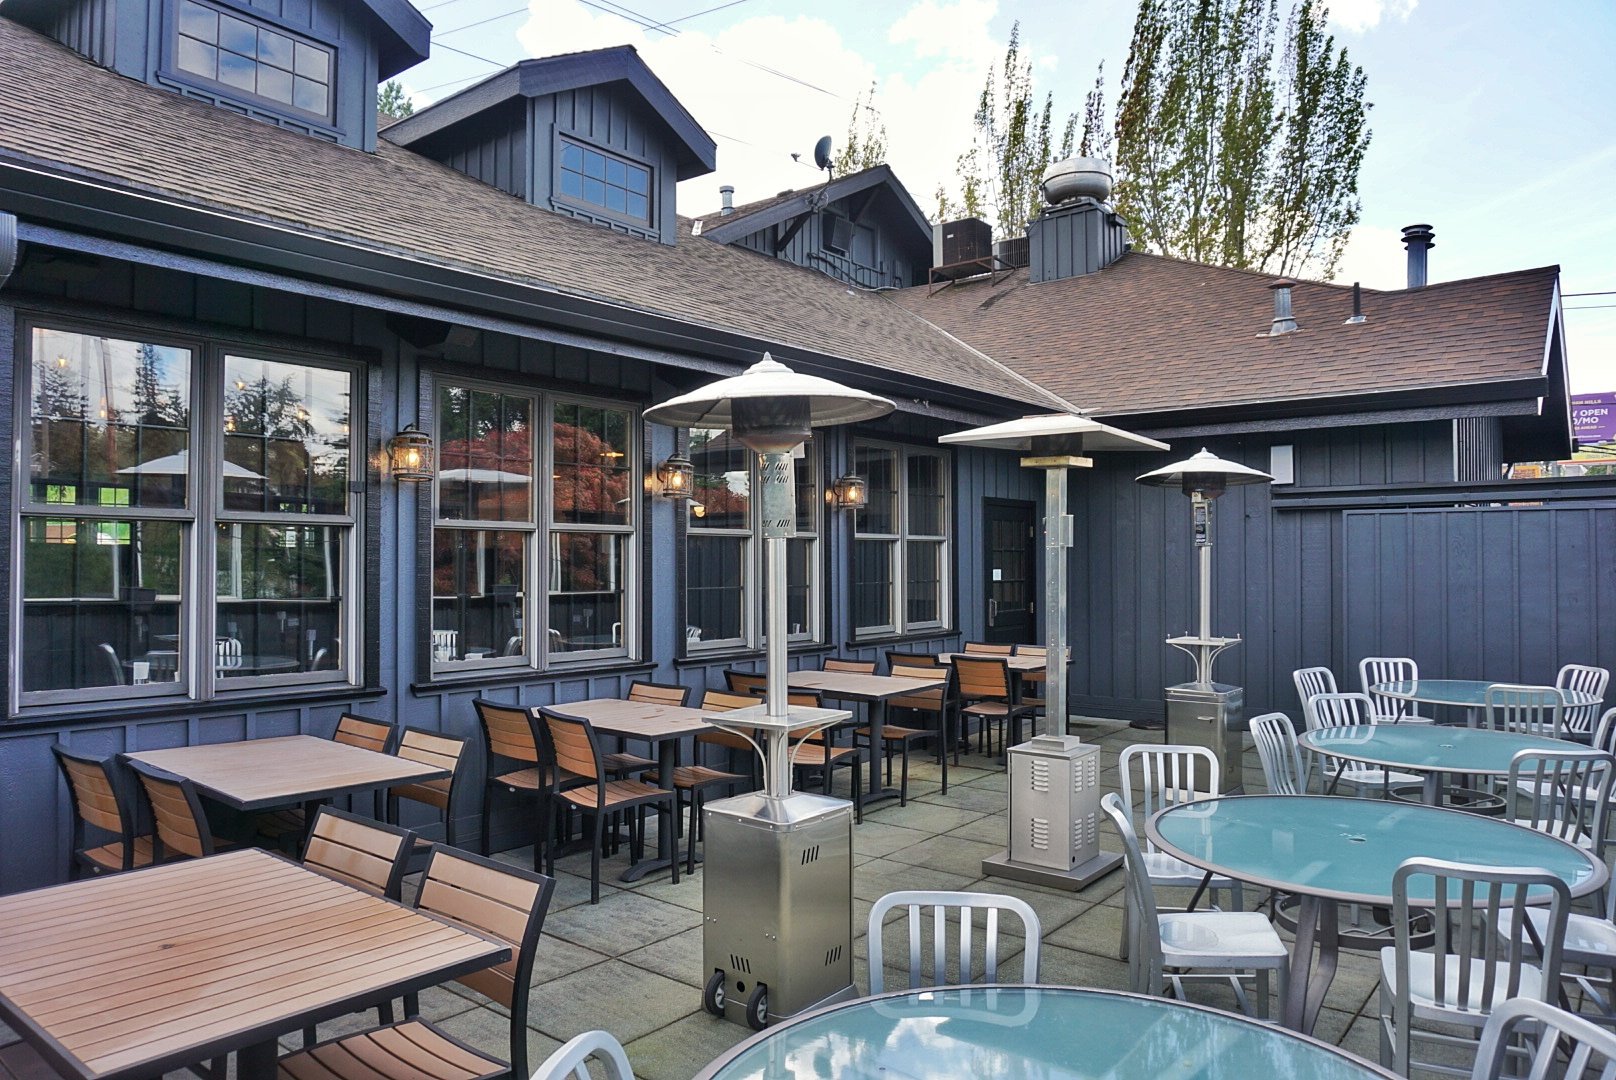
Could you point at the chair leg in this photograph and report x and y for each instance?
(671, 810)
(690, 837)
(488, 806)
(594, 858)
(903, 785)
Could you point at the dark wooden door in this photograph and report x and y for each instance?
(1010, 570)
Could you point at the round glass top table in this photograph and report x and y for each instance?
(1054, 1033)
(1429, 749)
(1329, 850)
(1468, 694)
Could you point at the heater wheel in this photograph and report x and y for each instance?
(712, 998)
(757, 1007)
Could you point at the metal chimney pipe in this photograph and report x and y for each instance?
(727, 193)
(1357, 306)
(1284, 322)
(1418, 239)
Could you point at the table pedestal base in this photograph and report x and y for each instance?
(1317, 928)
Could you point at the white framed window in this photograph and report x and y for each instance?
(725, 576)
(187, 514)
(528, 572)
(901, 540)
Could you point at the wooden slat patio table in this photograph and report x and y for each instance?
(661, 725)
(261, 774)
(1020, 665)
(875, 689)
(134, 975)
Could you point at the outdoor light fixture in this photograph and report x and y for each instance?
(410, 456)
(677, 477)
(850, 493)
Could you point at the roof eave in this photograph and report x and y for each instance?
(736, 226)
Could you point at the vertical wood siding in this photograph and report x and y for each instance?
(613, 119)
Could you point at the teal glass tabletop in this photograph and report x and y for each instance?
(1428, 747)
(1348, 849)
(1471, 693)
(1052, 1033)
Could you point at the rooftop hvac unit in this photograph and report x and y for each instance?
(835, 233)
(966, 240)
(1013, 252)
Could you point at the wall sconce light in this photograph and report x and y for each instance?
(699, 509)
(850, 493)
(677, 477)
(410, 456)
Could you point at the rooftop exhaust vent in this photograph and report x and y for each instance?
(1284, 321)
(727, 194)
(1418, 239)
(1077, 178)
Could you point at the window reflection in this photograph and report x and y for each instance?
(286, 437)
(479, 582)
(591, 466)
(485, 460)
(279, 598)
(586, 590)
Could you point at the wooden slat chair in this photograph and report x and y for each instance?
(574, 748)
(988, 648)
(856, 667)
(178, 821)
(495, 900)
(813, 752)
(732, 743)
(984, 685)
(900, 737)
(511, 741)
(746, 682)
(1033, 683)
(619, 763)
(97, 805)
(958, 734)
(351, 730)
(442, 751)
(692, 782)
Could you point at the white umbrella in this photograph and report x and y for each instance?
(178, 464)
(485, 476)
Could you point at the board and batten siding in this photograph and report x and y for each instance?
(613, 119)
(881, 265)
(491, 146)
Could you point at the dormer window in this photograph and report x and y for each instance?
(605, 181)
(248, 57)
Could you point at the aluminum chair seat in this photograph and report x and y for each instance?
(1171, 872)
(1216, 938)
(1449, 1009)
(1589, 940)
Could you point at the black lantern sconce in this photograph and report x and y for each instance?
(410, 456)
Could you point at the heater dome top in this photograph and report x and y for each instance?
(713, 405)
(1205, 471)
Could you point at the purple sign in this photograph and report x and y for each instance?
(1593, 418)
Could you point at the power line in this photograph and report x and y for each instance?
(1591, 307)
(1607, 292)
(480, 22)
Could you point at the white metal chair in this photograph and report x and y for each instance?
(1310, 683)
(1171, 774)
(1221, 945)
(1590, 945)
(1554, 1042)
(571, 1059)
(1352, 710)
(1479, 955)
(1564, 793)
(445, 645)
(1281, 757)
(1526, 710)
(227, 654)
(1583, 678)
(1373, 670)
(965, 904)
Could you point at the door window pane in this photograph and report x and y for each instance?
(485, 463)
(286, 437)
(872, 583)
(587, 590)
(715, 588)
(98, 598)
(110, 421)
(279, 596)
(479, 583)
(592, 465)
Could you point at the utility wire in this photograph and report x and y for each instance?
(1607, 292)
(1591, 307)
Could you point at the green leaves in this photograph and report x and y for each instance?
(393, 102)
(866, 144)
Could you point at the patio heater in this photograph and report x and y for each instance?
(777, 886)
(1054, 778)
(1204, 712)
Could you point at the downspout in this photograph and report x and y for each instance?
(9, 247)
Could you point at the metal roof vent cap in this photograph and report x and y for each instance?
(727, 194)
(1284, 321)
(1077, 178)
(1418, 239)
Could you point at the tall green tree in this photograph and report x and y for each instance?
(866, 144)
(1229, 156)
(392, 101)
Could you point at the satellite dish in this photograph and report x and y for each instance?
(822, 153)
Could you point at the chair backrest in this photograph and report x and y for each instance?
(1605, 735)
(513, 646)
(1310, 682)
(178, 821)
(369, 855)
(987, 648)
(1144, 948)
(894, 659)
(227, 653)
(572, 741)
(1169, 775)
(1343, 710)
(94, 788)
(723, 701)
(109, 658)
(1527, 710)
(659, 693)
(508, 731)
(983, 677)
(1281, 758)
(571, 1060)
(964, 905)
(431, 748)
(745, 682)
(857, 667)
(501, 902)
(1586, 679)
(1479, 939)
(1031, 650)
(365, 733)
(1373, 670)
(1565, 793)
(445, 643)
(934, 698)
(1557, 1043)
(317, 663)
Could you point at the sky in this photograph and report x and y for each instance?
(1492, 119)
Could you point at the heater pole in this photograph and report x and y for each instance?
(779, 524)
(1057, 542)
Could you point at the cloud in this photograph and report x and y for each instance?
(1374, 256)
(954, 30)
(1360, 16)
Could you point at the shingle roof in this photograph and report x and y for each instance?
(1150, 334)
(61, 111)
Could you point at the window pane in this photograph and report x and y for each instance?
(592, 465)
(799, 586)
(275, 83)
(285, 437)
(616, 173)
(872, 583)
(238, 36)
(199, 22)
(572, 157)
(198, 58)
(313, 63)
(639, 180)
(594, 165)
(723, 482)
(98, 597)
(572, 184)
(715, 592)
(279, 598)
(638, 207)
(879, 467)
(311, 96)
(479, 581)
(926, 495)
(615, 199)
(110, 421)
(595, 191)
(923, 592)
(587, 583)
(275, 49)
(238, 71)
(809, 499)
(485, 461)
